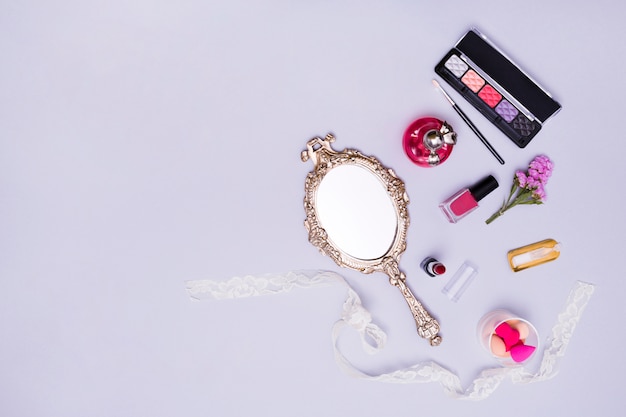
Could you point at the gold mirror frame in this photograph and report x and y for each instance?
(325, 159)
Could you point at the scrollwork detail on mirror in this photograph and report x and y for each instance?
(325, 159)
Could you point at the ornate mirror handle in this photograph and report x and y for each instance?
(427, 326)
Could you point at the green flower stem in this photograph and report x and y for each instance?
(521, 198)
(514, 188)
(500, 212)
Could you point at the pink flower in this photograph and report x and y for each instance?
(528, 187)
(541, 167)
(539, 193)
(532, 183)
(539, 171)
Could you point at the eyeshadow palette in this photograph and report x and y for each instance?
(497, 87)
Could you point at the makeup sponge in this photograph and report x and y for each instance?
(521, 352)
(508, 341)
(509, 335)
(497, 346)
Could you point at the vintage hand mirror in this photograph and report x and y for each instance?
(356, 213)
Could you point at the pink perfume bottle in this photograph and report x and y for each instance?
(465, 201)
(428, 141)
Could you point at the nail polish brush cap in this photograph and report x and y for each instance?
(483, 187)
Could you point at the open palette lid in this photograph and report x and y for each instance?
(509, 76)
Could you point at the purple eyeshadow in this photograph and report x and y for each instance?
(506, 111)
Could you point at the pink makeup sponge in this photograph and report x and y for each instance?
(509, 335)
(521, 352)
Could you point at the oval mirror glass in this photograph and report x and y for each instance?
(356, 211)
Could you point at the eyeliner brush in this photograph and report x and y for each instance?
(469, 123)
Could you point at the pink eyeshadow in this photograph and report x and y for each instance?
(490, 96)
(473, 81)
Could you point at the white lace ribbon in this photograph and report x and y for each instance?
(373, 338)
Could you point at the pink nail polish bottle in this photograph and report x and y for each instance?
(465, 201)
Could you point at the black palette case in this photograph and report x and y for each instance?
(497, 87)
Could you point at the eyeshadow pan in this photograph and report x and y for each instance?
(473, 81)
(523, 125)
(490, 96)
(456, 66)
(506, 111)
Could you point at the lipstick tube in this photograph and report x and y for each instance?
(432, 266)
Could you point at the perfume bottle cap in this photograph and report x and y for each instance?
(483, 187)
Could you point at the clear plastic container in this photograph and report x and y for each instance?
(459, 282)
(487, 337)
